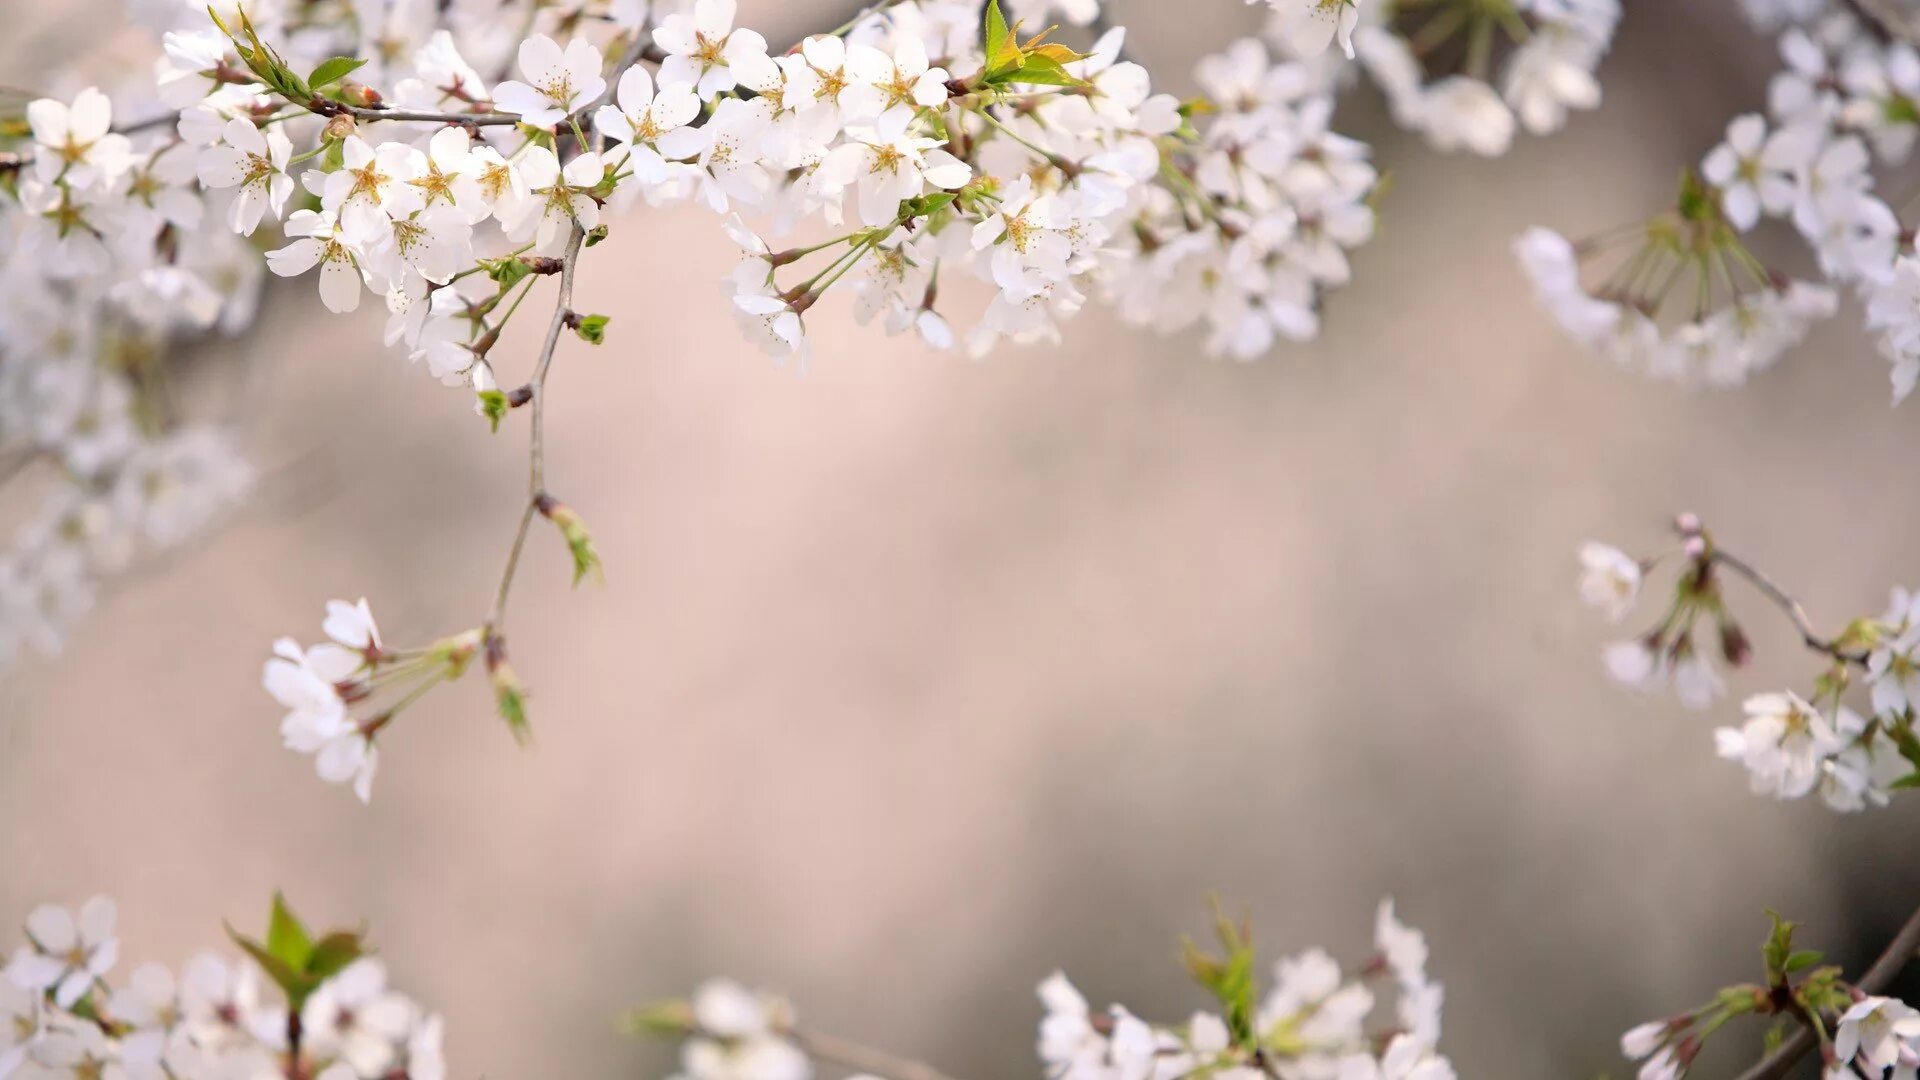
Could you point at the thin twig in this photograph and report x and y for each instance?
(1884, 18)
(861, 1058)
(537, 384)
(537, 449)
(1785, 602)
(1898, 953)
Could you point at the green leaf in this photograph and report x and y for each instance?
(509, 272)
(1911, 780)
(1801, 960)
(1229, 977)
(1003, 52)
(1779, 946)
(596, 234)
(333, 953)
(512, 702)
(592, 328)
(1041, 70)
(586, 559)
(1054, 51)
(930, 204)
(665, 1019)
(287, 939)
(332, 71)
(493, 406)
(292, 983)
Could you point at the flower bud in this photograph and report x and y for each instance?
(1734, 644)
(586, 560)
(508, 694)
(340, 127)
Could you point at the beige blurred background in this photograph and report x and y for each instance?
(913, 677)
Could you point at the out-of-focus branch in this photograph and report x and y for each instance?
(1785, 602)
(1885, 17)
(862, 1058)
(1898, 953)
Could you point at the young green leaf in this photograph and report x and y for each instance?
(332, 71)
(493, 405)
(287, 939)
(1040, 70)
(1002, 48)
(592, 328)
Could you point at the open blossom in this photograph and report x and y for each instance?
(255, 162)
(558, 82)
(558, 198)
(1029, 252)
(319, 241)
(449, 175)
(315, 686)
(66, 955)
(1882, 1033)
(887, 165)
(77, 140)
(1609, 579)
(1782, 744)
(652, 127)
(371, 183)
(1308, 26)
(1754, 173)
(703, 47)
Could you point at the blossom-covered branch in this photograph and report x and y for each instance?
(300, 1006)
(1791, 745)
(1312, 1021)
(1859, 1032)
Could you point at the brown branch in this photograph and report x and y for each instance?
(1886, 21)
(1898, 953)
(861, 1058)
(1785, 602)
(535, 389)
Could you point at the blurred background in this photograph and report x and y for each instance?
(914, 678)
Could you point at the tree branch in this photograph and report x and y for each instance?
(536, 385)
(1886, 19)
(861, 1058)
(1898, 953)
(1785, 602)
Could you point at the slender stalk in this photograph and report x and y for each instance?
(1785, 602)
(536, 386)
(1898, 953)
(861, 1058)
(537, 450)
(1886, 20)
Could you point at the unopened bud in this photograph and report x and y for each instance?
(340, 127)
(508, 694)
(1734, 644)
(586, 560)
(1686, 524)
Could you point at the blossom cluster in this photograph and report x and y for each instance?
(1845, 103)
(328, 689)
(915, 139)
(1313, 1021)
(62, 1016)
(104, 270)
(1860, 1033)
(1854, 749)
(1466, 74)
